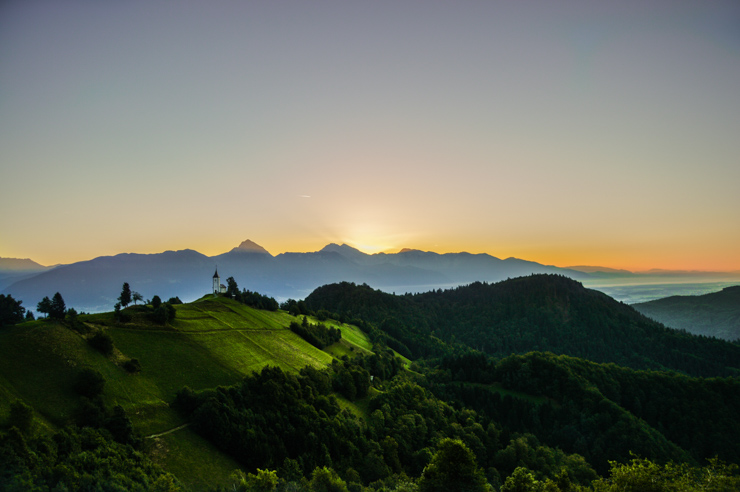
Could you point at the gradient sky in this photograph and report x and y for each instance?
(602, 133)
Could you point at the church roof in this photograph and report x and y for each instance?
(215, 275)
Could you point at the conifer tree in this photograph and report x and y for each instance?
(125, 296)
(57, 308)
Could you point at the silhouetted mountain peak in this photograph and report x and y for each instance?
(249, 246)
(409, 250)
(343, 249)
(20, 264)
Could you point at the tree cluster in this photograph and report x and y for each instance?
(249, 298)
(276, 420)
(317, 335)
(11, 311)
(158, 311)
(54, 308)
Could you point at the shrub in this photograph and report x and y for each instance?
(132, 365)
(89, 383)
(21, 416)
(102, 342)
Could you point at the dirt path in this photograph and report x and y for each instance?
(168, 431)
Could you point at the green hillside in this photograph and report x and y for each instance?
(211, 342)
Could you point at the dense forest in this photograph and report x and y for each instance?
(292, 424)
(600, 411)
(553, 428)
(536, 313)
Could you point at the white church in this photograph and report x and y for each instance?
(218, 287)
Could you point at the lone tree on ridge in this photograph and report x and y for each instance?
(125, 296)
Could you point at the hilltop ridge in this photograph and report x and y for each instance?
(537, 312)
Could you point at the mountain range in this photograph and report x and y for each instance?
(94, 285)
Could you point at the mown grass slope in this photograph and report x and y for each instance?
(211, 342)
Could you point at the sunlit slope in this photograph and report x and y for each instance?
(213, 341)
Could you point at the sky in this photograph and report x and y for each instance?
(568, 133)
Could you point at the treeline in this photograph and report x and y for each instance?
(535, 313)
(317, 335)
(601, 411)
(249, 298)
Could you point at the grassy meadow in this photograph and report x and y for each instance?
(213, 341)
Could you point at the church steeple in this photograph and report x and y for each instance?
(216, 282)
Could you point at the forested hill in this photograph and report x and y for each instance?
(535, 313)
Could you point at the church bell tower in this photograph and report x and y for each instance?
(216, 282)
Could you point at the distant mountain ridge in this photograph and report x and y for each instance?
(19, 265)
(95, 284)
(14, 269)
(716, 314)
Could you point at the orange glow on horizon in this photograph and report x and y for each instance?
(632, 260)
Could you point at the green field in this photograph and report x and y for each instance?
(212, 342)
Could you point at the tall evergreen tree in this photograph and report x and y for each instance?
(232, 290)
(57, 308)
(125, 296)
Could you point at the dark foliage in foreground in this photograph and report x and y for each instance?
(11, 311)
(77, 459)
(273, 419)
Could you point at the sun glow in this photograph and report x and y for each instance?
(371, 248)
(372, 238)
